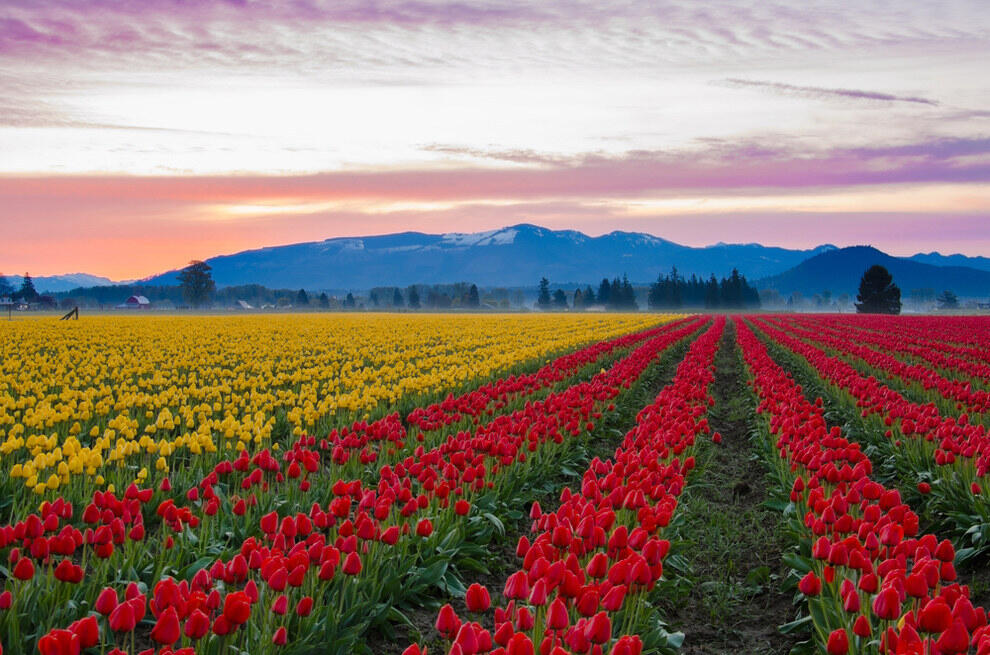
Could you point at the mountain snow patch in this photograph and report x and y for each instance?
(489, 238)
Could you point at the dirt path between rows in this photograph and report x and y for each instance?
(732, 542)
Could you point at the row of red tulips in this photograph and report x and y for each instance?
(961, 393)
(949, 440)
(888, 334)
(946, 457)
(872, 583)
(389, 540)
(587, 573)
(963, 335)
(495, 395)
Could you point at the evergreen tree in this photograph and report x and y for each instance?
(473, 299)
(197, 283)
(947, 300)
(302, 298)
(349, 301)
(578, 301)
(559, 299)
(733, 296)
(877, 292)
(28, 293)
(588, 298)
(397, 298)
(654, 299)
(629, 294)
(324, 300)
(5, 287)
(604, 292)
(543, 300)
(712, 293)
(413, 297)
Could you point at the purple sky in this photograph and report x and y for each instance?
(127, 126)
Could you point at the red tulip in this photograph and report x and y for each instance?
(6, 600)
(862, 628)
(88, 630)
(59, 642)
(628, 645)
(538, 596)
(517, 586)
(280, 637)
(197, 625)
(614, 598)
(167, 630)
(304, 606)
(222, 626)
(477, 598)
(269, 523)
(599, 628)
(519, 644)
(237, 608)
(810, 585)
(106, 602)
(557, 616)
(838, 643)
(279, 579)
(887, 604)
(587, 603)
(352, 565)
(122, 618)
(447, 622)
(524, 619)
(424, 528)
(466, 639)
(955, 639)
(391, 535)
(24, 569)
(66, 571)
(935, 617)
(598, 566)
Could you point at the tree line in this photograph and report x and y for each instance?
(616, 294)
(673, 291)
(26, 293)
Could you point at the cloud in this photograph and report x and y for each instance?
(824, 93)
(518, 156)
(716, 168)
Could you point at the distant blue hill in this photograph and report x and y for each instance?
(57, 283)
(513, 256)
(938, 259)
(839, 271)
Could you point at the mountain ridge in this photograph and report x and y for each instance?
(519, 255)
(516, 255)
(839, 271)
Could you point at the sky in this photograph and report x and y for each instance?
(136, 135)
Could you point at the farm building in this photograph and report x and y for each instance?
(135, 302)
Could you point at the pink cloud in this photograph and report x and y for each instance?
(134, 226)
(717, 169)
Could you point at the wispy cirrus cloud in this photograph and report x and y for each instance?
(825, 93)
(517, 156)
(715, 169)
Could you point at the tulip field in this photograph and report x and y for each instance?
(504, 484)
